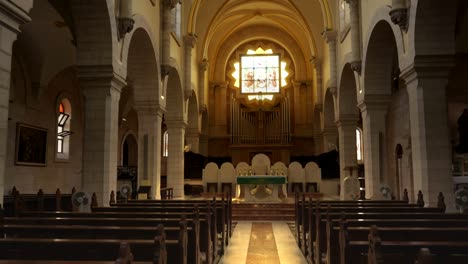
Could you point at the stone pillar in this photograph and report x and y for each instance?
(168, 26)
(201, 85)
(101, 88)
(347, 141)
(330, 135)
(330, 38)
(149, 147)
(175, 158)
(189, 42)
(374, 126)
(355, 35)
(431, 149)
(12, 17)
(193, 139)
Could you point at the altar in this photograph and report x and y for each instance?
(261, 188)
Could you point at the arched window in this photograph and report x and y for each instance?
(177, 20)
(165, 144)
(359, 150)
(63, 129)
(345, 19)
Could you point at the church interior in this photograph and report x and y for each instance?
(269, 131)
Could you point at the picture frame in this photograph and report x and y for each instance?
(31, 145)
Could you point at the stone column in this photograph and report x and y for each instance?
(193, 139)
(12, 17)
(189, 42)
(101, 88)
(149, 147)
(329, 134)
(175, 158)
(374, 126)
(201, 85)
(347, 141)
(330, 38)
(431, 149)
(168, 26)
(355, 35)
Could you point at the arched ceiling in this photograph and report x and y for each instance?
(214, 21)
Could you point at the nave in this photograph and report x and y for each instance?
(262, 242)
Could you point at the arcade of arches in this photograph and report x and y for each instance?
(105, 85)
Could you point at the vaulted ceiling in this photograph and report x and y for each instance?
(215, 21)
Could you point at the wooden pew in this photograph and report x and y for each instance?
(222, 212)
(392, 230)
(203, 226)
(155, 250)
(311, 227)
(17, 202)
(318, 232)
(403, 251)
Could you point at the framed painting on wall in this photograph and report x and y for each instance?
(31, 145)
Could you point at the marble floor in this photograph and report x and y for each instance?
(261, 243)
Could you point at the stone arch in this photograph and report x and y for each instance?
(192, 113)
(174, 97)
(96, 32)
(347, 94)
(142, 69)
(381, 16)
(140, 24)
(379, 60)
(131, 138)
(328, 110)
(433, 26)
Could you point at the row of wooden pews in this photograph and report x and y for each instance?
(163, 231)
(369, 231)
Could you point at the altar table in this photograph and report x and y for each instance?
(262, 192)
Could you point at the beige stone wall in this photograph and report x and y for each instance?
(41, 112)
(398, 132)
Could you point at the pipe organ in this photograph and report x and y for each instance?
(258, 126)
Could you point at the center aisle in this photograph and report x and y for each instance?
(262, 243)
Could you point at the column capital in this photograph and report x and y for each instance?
(99, 77)
(347, 120)
(149, 108)
(428, 66)
(352, 3)
(170, 4)
(190, 40)
(356, 66)
(374, 102)
(203, 65)
(329, 35)
(218, 85)
(176, 124)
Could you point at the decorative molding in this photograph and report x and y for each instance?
(166, 70)
(190, 40)
(329, 35)
(171, 4)
(356, 66)
(125, 25)
(399, 16)
(204, 65)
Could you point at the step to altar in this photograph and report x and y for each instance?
(262, 212)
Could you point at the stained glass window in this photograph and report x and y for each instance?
(260, 73)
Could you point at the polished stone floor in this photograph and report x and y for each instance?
(262, 243)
